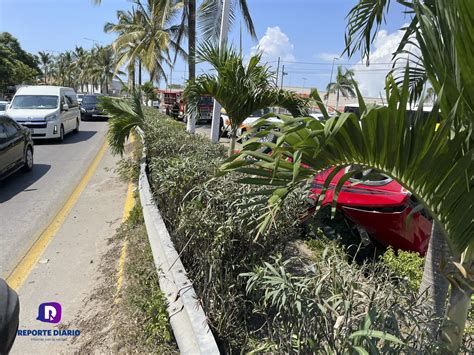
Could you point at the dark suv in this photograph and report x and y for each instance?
(16, 147)
(89, 109)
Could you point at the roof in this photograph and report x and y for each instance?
(40, 90)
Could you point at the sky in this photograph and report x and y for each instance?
(306, 34)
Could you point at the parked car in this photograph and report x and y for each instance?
(89, 109)
(16, 147)
(3, 107)
(48, 111)
(246, 126)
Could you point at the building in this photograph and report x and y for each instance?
(331, 101)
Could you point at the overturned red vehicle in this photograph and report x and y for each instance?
(379, 207)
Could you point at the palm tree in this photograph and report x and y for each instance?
(344, 85)
(240, 89)
(210, 19)
(146, 35)
(105, 67)
(210, 13)
(80, 62)
(126, 19)
(435, 164)
(45, 61)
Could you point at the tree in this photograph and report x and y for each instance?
(147, 35)
(240, 89)
(16, 65)
(344, 85)
(210, 14)
(45, 61)
(149, 91)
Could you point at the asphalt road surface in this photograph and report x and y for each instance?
(29, 201)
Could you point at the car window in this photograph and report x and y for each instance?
(10, 129)
(71, 100)
(39, 102)
(3, 133)
(89, 100)
(3, 107)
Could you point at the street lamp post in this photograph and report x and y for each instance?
(304, 82)
(330, 80)
(216, 112)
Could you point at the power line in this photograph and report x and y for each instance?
(328, 64)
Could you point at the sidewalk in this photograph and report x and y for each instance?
(67, 270)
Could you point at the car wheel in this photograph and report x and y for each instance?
(61, 134)
(28, 159)
(76, 130)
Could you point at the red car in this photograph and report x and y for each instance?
(378, 206)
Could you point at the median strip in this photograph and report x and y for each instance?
(24, 267)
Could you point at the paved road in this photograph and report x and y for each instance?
(28, 202)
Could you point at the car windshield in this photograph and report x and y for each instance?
(41, 102)
(205, 100)
(260, 113)
(89, 100)
(3, 107)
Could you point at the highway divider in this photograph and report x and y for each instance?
(187, 318)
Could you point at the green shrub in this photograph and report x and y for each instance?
(211, 222)
(336, 308)
(404, 265)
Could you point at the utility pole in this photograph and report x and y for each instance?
(283, 73)
(216, 112)
(276, 79)
(330, 80)
(304, 82)
(278, 69)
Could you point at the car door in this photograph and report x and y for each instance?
(16, 142)
(4, 159)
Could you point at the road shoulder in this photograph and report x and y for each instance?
(67, 270)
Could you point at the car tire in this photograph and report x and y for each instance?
(61, 134)
(76, 130)
(29, 162)
(9, 320)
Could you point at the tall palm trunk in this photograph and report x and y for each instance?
(191, 125)
(434, 285)
(233, 139)
(459, 303)
(140, 73)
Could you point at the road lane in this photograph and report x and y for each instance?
(29, 201)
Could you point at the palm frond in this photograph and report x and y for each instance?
(125, 115)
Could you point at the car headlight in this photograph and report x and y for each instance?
(52, 117)
(83, 109)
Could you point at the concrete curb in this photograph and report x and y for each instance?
(187, 318)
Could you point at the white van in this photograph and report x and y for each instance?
(48, 111)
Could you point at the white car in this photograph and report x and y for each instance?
(48, 111)
(249, 121)
(3, 107)
(246, 125)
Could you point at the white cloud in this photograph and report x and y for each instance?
(327, 57)
(275, 44)
(371, 79)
